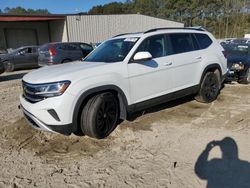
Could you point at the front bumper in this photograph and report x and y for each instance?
(53, 114)
(38, 124)
(235, 75)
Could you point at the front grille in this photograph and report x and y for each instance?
(29, 91)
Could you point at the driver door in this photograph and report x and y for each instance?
(25, 58)
(151, 78)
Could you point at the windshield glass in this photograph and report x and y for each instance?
(241, 50)
(112, 50)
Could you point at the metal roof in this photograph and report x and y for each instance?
(15, 18)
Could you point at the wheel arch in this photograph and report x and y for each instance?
(212, 68)
(66, 60)
(5, 61)
(84, 97)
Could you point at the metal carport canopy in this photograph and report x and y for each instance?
(16, 18)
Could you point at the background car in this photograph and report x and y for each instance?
(23, 57)
(238, 62)
(57, 53)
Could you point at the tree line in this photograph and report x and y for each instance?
(224, 18)
(21, 11)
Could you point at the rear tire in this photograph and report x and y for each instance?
(209, 88)
(9, 66)
(246, 80)
(66, 61)
(99, 115)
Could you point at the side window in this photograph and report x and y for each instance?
(86, 47)
(204, 40)
(155, 45)
(182, 42)
(72, 47)
(69, 46)
(62, 47)
(34, 50)
(25, 51)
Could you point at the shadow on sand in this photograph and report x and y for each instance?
(12, 77)
(227, 172)
(133, 116)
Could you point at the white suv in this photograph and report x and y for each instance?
(127, 73)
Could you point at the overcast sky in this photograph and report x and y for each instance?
(56, 6)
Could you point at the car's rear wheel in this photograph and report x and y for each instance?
(9, 66)
(209, 88)
(246, 80)
(66, 61)
(99, 115)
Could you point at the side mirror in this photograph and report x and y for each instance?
(142, 56)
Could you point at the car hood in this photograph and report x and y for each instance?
(4, 56)
(68, 71)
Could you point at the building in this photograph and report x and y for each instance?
(16, 31)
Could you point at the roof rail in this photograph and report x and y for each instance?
(126, 34)
(197, 28)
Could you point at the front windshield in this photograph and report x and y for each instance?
(112, 50)
(240, 50)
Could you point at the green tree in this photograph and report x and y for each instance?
(20, 10)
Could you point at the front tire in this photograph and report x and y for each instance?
(246, 80)
(209, 88)
(9, 66)
(99, 115)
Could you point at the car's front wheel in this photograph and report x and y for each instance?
(209, 88)
(99, 116)
(9, 66)
(246, 80)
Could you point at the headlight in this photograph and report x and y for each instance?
(46, 90)
(238, 66)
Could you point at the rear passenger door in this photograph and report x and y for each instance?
(186, 59)
(24, 58)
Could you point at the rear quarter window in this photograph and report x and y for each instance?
(45, 47)
(203, 40)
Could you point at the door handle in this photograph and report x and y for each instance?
(168, 64)
(198, 58)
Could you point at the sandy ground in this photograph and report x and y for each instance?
(160, 148)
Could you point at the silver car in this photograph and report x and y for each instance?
(62, 52)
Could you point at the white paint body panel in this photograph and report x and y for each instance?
(138, 81)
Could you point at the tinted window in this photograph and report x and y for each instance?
(182, 42)
(155, 45)
(86, 47)
(45, 47)
(204, 40)
(26, 51)
(69, 46)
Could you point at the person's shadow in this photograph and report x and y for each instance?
(227, 172)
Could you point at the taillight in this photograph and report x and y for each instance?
(225, 53)
(52, 51)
